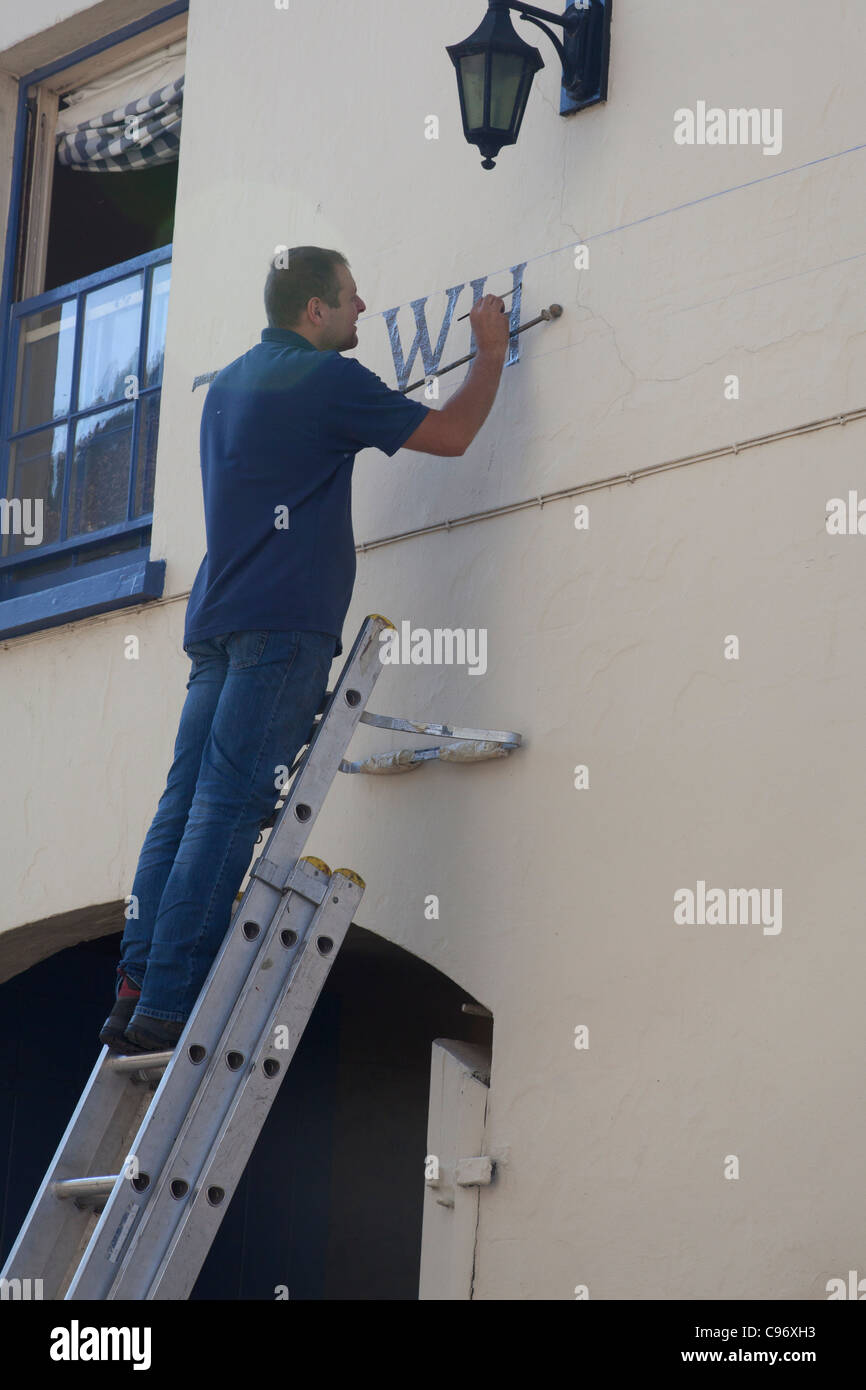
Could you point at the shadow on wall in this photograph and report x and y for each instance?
(330, 1205)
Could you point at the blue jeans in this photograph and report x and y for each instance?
(251, 701)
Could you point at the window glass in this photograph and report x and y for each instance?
(156, 325)
(472, 82)
(148, 430)
(109, 350)
(117, 433)
(36, 471)
(100, 470)
(44, 371)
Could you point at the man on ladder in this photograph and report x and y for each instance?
(280, 429)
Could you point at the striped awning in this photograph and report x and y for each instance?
(134, 136)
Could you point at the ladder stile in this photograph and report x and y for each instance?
(173, 1240)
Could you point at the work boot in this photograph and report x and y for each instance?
(146, 1034)
(117, 1022)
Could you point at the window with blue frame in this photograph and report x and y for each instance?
(82, 360)
(83, 406)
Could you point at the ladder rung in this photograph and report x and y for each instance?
(142, 1061)
(82, 1188)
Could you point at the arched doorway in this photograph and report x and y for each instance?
(330, 1205)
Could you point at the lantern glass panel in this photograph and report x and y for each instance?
(505, 79)
(472, 85)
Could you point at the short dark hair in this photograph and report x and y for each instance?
(310, 273)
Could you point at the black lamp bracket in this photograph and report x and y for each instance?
(573, 22)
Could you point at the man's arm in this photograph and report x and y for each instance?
(449, 432)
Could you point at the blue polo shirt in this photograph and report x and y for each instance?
(280, 428)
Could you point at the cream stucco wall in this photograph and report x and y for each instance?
(605, 646)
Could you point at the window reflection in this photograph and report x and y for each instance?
(145, 473)
(156, 325)
(36, 471)
(100, 470)
(109, 349)
(44, 372)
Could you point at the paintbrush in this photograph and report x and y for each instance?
(502, 296)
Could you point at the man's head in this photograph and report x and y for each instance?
(311, 291)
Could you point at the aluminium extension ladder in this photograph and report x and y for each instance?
(146, 1169)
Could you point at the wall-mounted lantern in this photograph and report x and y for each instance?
(495, 68)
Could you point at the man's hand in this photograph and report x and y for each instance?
(449, 432)
(490, 324)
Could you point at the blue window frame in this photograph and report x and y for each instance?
(82, 412)
(80, 386)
